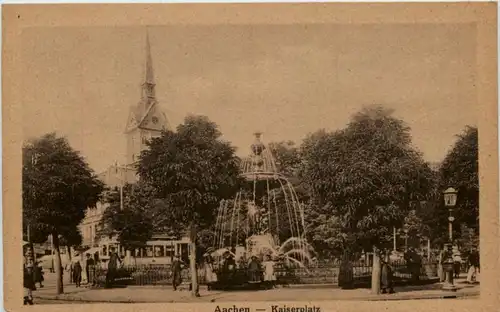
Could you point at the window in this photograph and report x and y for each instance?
(135, 253)
(149, 251)
(169, 251)
(159, 251)
(104, 250)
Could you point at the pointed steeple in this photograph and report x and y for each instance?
(148, 86)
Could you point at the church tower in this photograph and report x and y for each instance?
(145, 120)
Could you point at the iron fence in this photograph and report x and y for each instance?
(321, 273)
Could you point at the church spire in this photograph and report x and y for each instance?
(148, 87)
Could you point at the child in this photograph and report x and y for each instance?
(269, 276)
(29, 284)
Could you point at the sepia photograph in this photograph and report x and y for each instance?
(234, 162)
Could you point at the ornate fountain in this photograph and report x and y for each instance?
(265, 217)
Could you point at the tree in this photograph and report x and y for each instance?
(58, 187)
(71, 239)
(191, 170)
(143, 215)
(460, 171)
(367, 175)
(287, 157)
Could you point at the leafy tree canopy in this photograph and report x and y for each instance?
(58, 187)
(191, 170)
(364, 178)
(287, 157)
(460, 171)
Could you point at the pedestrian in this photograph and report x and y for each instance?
(269, 276)
(114, 262)
(441, 259)
(413, 264)
(254, 270)
(210, 275)
(38, 274)
(69, 269)
(386, 280)
(77, 273)
(28, 282)
(346, 273)
(84, 270)
(417, 265)
(473, 263)
(89, 266)
(176, 272)
(457, 262)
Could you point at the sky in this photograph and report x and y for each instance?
(283, 80)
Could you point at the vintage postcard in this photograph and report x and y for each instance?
(251, 157)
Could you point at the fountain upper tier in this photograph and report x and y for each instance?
(260, 165)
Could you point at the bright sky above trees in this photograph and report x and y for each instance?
(286, 81)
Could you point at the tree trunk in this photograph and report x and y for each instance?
(192, 262)
(58, 268)
(70, 271)
(376, 272)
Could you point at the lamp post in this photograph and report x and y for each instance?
(394, 238)
(122, 182)
(450, 200)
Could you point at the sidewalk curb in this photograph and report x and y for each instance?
(205, 299)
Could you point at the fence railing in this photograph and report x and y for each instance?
(323, 273)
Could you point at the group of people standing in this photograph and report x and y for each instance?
(471, 260)
(413, 263)
(225, 271)
(80, 270)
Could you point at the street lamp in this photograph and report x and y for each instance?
(450, 200)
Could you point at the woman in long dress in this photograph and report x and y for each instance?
(254, 270)
(386, 276)
(84, 271)
(210, 275)
(440, 265)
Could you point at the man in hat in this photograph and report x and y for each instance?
(176, 272)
